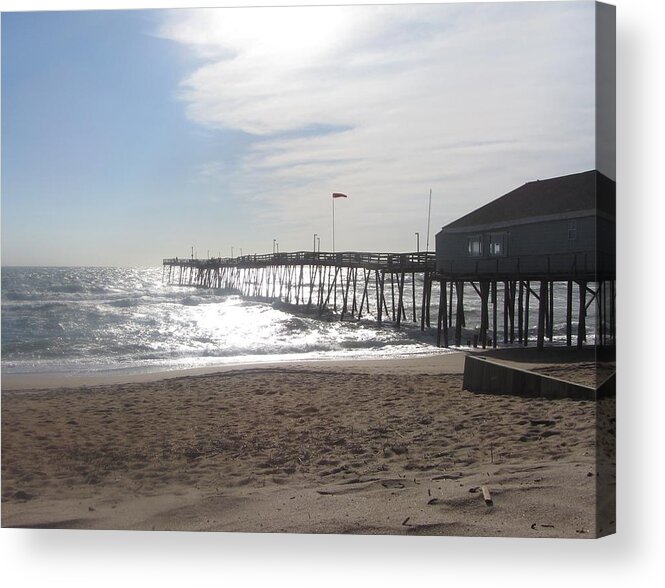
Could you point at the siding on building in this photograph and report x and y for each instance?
(562, 242)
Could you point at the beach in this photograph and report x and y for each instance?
(371, 447)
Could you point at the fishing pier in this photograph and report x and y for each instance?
(349, 284)
(543, 238)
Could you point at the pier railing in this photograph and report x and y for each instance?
(554, 266)
(413, 262)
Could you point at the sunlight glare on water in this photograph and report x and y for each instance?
(100, 319)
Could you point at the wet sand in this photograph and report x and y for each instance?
(337, 447)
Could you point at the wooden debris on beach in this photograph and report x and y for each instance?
(487, 496)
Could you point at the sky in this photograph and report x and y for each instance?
(130, 136)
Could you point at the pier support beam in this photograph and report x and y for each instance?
(442, 322)
(526, 313)
(581, 319)
(459, 320)
(542, 313)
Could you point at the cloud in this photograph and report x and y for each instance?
(384, 102)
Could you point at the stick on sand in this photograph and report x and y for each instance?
(487, 496)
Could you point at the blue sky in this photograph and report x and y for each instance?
(128, 136)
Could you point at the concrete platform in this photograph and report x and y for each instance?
(489, 376)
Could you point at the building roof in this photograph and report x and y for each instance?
(586, 191)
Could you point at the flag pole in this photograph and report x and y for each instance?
(333, 239)
(335, 195)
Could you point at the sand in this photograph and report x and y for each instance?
(338, 447)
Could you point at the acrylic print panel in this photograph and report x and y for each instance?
(310, 269)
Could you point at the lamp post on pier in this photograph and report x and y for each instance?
(274, 242)
(315, 236)
(417, 242)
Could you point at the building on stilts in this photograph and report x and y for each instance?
(545, 237)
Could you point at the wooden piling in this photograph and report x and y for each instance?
(511, 310)
(459, 286)
(484, 286)
(494, 313)
(426, 279)
(380, 278)
(450, 305)
(413, 295)
(429, 303)
(442, 322)
(526, 313)
(550, 332)
(542, 313)
(520, 313)
(569, 313)
(400, 298)
(581, 319)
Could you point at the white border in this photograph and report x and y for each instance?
(73, 558)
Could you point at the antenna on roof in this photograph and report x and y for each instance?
(429, 214)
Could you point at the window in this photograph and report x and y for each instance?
(572, 230)
(498, 244)
(475, 246)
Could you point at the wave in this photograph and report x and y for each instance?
(124, 303)
(69, 289)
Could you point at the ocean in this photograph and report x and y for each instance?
(83, 320)
(86, 319)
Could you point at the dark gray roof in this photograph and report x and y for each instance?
(576, 192)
